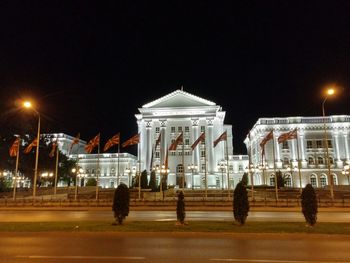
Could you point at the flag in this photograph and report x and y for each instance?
(53, 149)
(200, 139)
(75, 141)
(287, 136)
(268, 137)
(178, 140)
(112, 141)
(158, 141)
(92, 143)
(222, 137)
(14, 148)
(133, 140)
(34, 143)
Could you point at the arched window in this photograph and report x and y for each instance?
(313, 180)
(285, 160)
(287, 180)
(323, 180)
(335, 179)
(311, 160)
(320, 160)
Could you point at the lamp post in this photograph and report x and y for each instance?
(329, 92)
(28, 105)
(346, 171)
(78, 171)
(222, 168)
(292, 169)
(193, 168)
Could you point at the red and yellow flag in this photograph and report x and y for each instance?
(158, 140)
(222, 137)
(287, 136)
(178, 140)
(268, 137)
(112, 141)
(34, 143)
(53, 149)
(200, 139)
(133, 140)
(14, 148)
(75, 141)
(92, 143)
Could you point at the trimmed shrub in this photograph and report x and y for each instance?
(180, 208)
(309, 204)
(240, 203)
(121, 202)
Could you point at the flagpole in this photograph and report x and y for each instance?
(227, 170)
(298, 162)
(16, 172)
(250, 168)
(274, 165)
(118, 178)
(56, 171)
(183, 164)
(139, 177)
(205, 171)
(98, 170)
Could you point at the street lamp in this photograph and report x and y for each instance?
(346, 171)
(28, 105)
(193, 168)
(222, 168)
(292, 169)
(78, 171)
(329, 92)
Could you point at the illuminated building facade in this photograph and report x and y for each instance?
(301, 160)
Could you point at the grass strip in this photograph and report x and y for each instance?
(169, 226)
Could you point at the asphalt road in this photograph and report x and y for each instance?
(96, 215)
(171, 247)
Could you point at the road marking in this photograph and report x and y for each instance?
(270, 260)
(80, 257)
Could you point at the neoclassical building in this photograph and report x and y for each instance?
(304, 159)
(181, 113)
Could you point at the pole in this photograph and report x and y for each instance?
(250, 168)
(76, 183)
(299, 172)
(36, 156)
(118, 178)
(56, 172)
(16, 171)
(98, 170)
(274, 165)
(183, 164)
(139, 178)
(330, 179)
(227, 170)
(205, 171)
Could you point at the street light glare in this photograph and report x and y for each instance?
(27, 104)
(330, 91)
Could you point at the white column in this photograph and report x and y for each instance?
(195, 135)
(163, 144)
(336, 145)
(302, 149)
(210, 147)
(149, 145)
(294, 150)
(346, 139)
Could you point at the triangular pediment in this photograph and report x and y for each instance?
(178, 98)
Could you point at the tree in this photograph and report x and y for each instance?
(280, 179)
(144, 181)
(91, 182)
(121, 202)
(309, 204)
(180, 208)
(240, 203)
(152, 182)
(245, 179)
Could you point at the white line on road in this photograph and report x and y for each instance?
(80, 257)
(270, 260)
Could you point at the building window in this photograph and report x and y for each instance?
(331, 160)
(313, 180)
(203, 167)
(179, 129)
(202, 128)
(172, 153)
(272, 180)
(285, 145)
(329, 144)
(202, 154)
(308, 144)
(187, 129)
(285, 160)
(320, 160)
(311, 160)
(187, 153)
(187, 141)
(335, 181)
(157, 129)
(318, 144)
(323, 180)
(157, 154)
(172, 141)
(240, 167)
(288, 181)
(179, 169)
(172, 129)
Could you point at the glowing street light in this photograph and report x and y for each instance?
(28, 105)
(193, 168)
(329, 92)
(78, 171)
(346, 171)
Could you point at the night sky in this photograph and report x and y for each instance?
(254, 58)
